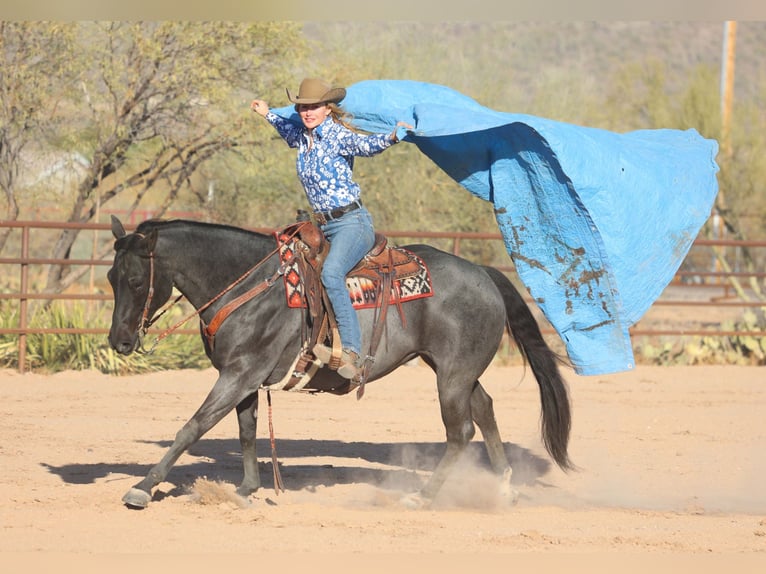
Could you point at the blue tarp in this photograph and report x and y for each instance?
(596, 222)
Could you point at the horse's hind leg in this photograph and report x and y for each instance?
(459, 411)
(247, 417)
(483, 414)
(455, 405)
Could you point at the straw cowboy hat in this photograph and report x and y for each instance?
(315, 91)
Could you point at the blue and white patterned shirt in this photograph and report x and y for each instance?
(326, 168)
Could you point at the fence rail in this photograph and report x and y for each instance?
(693, 286)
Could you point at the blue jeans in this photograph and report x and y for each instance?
(351, 236)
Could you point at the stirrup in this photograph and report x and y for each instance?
(323, 353)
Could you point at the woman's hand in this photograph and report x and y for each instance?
(394, 136)
(260, 107)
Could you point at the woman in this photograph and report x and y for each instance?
(327, 145)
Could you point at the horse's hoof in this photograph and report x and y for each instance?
(507, 492)
(245, 491)
(137, 498)
(414, 501)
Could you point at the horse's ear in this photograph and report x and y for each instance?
(151, 240)
(117, 229)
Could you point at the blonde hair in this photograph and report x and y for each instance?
(341, 116)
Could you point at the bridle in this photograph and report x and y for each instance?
(146, 322)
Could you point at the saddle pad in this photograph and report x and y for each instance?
(362, 290)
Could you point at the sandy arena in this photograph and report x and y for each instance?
(671, 463)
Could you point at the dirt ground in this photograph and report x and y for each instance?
(671, 463)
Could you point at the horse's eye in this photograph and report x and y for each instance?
(135, 283)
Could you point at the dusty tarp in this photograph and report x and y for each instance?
(596, 222)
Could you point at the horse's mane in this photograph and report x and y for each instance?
(160, 224)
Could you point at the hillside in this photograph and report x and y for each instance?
(499, 61)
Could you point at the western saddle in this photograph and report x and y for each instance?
(383, 265)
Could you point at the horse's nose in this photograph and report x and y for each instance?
(123, 345)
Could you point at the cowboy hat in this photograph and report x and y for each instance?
(315, 91)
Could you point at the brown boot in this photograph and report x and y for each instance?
(348, 365)
(348, 360)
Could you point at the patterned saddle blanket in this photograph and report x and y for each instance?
(411, 278)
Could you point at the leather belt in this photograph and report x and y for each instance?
(323, 217)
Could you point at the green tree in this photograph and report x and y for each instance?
(158, 101)
(34, 61)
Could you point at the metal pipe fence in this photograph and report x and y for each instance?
(694, 286)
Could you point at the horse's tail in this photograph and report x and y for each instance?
(556, 419)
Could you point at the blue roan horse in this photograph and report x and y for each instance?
(456, 331)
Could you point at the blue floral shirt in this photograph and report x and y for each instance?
(325, 168)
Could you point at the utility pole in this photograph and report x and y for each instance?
(727, 95)
(727, 84)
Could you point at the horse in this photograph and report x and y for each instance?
(456, 331)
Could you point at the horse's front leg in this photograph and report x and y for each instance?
(223, 397)
(247, 417)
